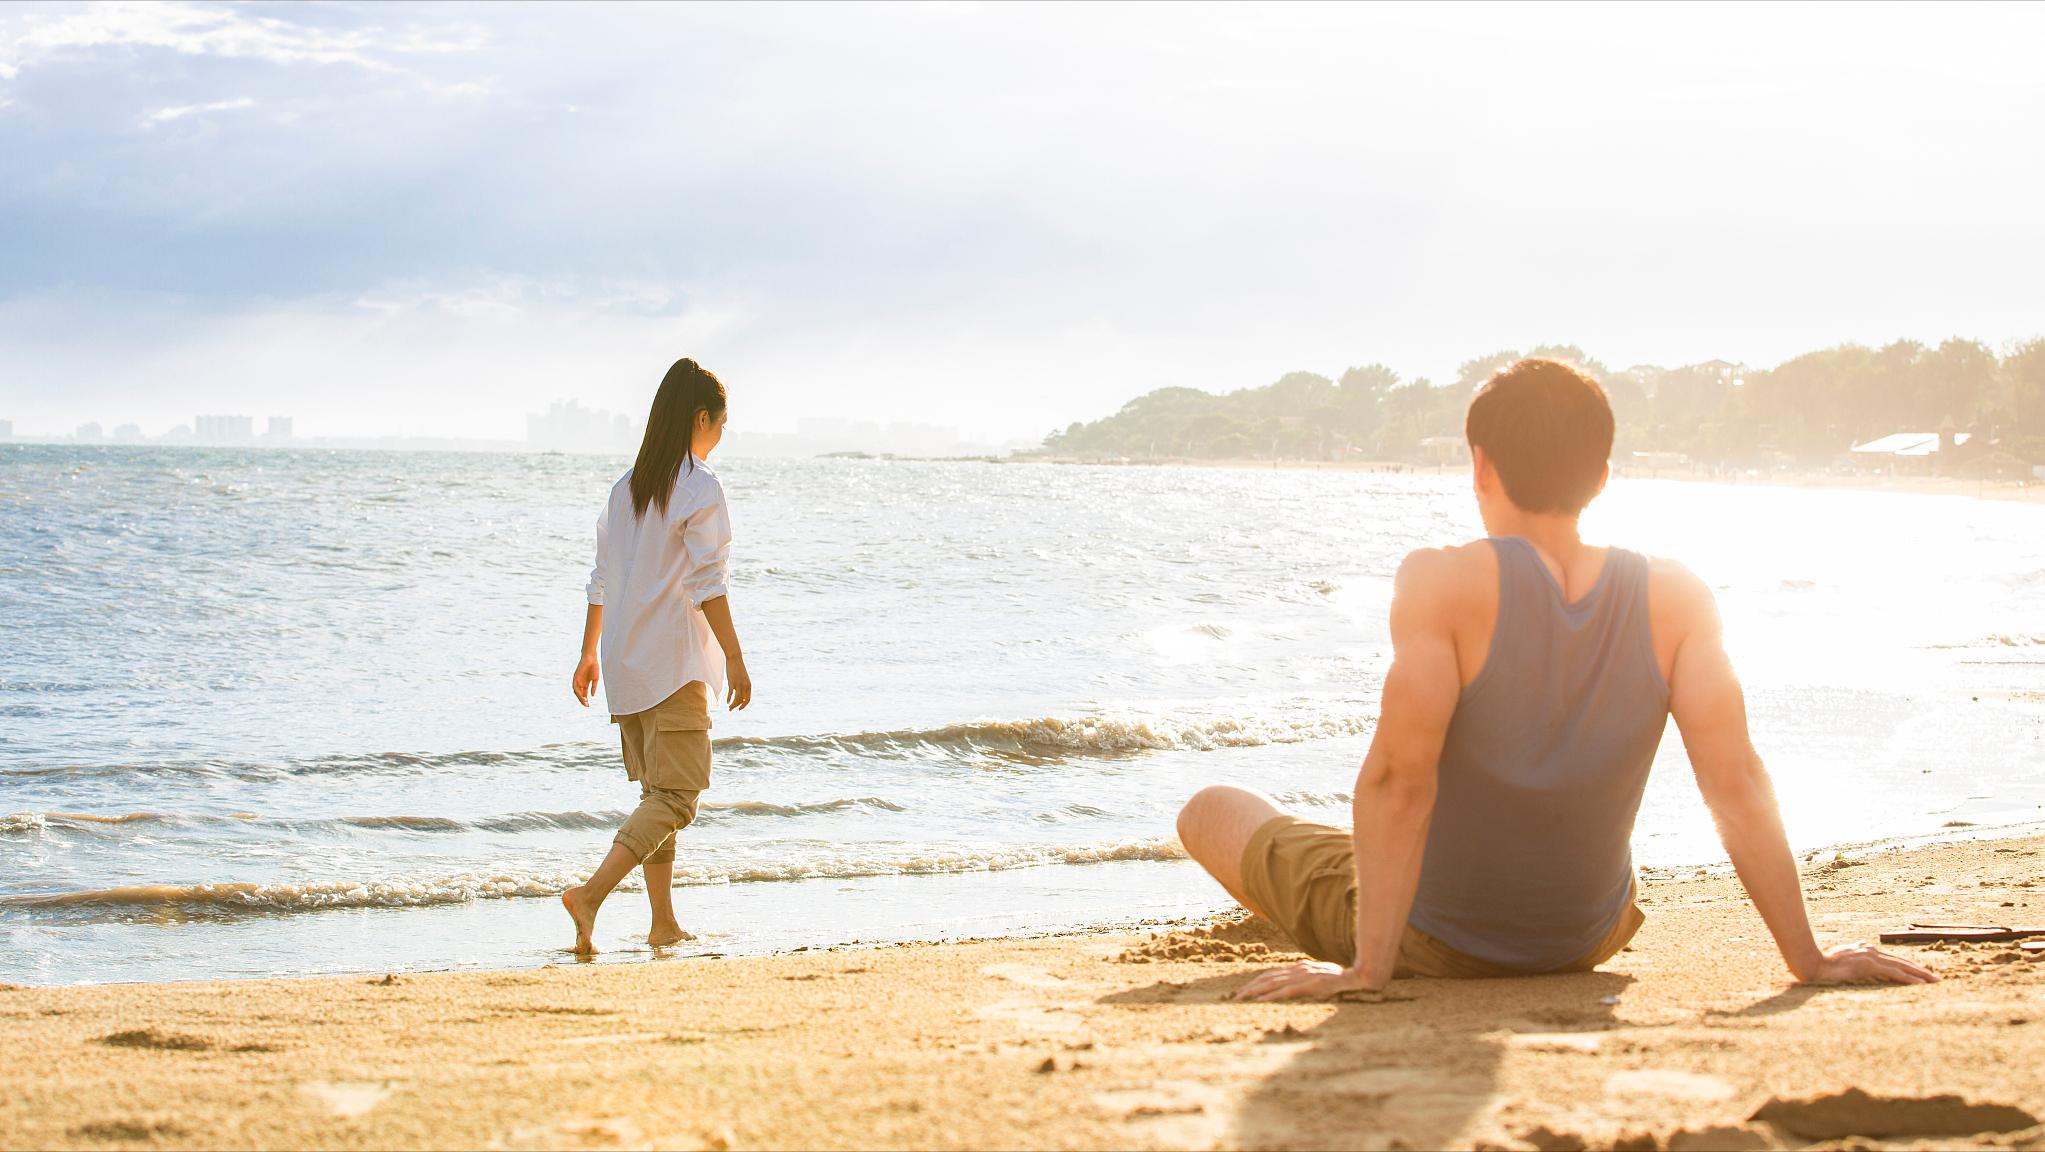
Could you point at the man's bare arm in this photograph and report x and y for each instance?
(1711, 712)
(1394, 797)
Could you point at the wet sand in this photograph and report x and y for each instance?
(1090, 1041)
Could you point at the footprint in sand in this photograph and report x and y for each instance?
(1668, 1083)
(1173, 1113)
(1556, 1041)
(612, 1038)
(1024, 975)
(1032, 1016)
(1855, 1113)
(158, 1041)
(350, 1098)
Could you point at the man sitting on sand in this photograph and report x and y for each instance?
(1532, 677)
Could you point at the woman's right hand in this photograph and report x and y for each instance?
(741, 684)
(585, 679)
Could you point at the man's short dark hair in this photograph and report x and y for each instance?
(1547, 428)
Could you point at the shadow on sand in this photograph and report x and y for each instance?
(1416, 1070)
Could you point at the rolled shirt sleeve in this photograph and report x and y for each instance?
(595, 588)
(707, 538)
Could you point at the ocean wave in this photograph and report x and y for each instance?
(21, 823)
(1045, 738)
(1054, 737)
(407, 823)
(1314, 799)
(590, 755)
(764, 808)
(30, 822)
(1069, 813)
(255, 898)
(306, 897)
(1999, 641)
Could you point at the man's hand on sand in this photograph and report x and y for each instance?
(1306, 980)
(1866, 964)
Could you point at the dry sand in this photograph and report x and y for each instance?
(1088, 1041)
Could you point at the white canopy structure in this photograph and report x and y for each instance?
(1906, 444)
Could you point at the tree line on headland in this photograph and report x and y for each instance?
(1809, 410)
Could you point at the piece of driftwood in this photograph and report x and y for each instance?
(1933, 933)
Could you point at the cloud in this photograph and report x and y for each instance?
(229, 33)
(197, 30)
(1003, 217)
(179, 112)
(238, 33)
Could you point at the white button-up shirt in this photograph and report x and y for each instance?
(652, 576)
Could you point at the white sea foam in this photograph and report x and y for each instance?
(461, 888)
(21, 824)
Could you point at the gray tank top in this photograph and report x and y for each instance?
(1529, 857)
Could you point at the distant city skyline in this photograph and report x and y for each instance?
(208, 428)
(566, 426)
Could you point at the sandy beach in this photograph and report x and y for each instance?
(1091, 1041)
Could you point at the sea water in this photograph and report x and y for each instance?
(277, 712)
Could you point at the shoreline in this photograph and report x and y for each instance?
(1091, 1040)
(2032, 493)
(542, 915)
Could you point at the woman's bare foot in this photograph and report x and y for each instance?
(669, 933)
(585, 921)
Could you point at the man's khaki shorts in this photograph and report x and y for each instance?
(1302, 875)
(667, 750)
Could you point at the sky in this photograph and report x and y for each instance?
(430, 220)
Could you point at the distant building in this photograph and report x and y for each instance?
(1907, 445)
(567, 426)
(223, 429)
(279, 431)
(88, 433)
(1916, 452)
(128, 434)
(1657, 461)
(1445, 450)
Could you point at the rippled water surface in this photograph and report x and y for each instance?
(278, 712)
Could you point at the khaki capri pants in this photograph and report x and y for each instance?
(667, 750)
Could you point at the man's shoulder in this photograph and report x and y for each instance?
(1680, 603)
(1448, 575)
(1450, 562)
(1673, 582)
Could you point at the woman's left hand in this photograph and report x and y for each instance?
(740, 683)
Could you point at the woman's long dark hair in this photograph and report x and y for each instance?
(671, 431)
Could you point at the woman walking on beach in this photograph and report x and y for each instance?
(659, 601)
